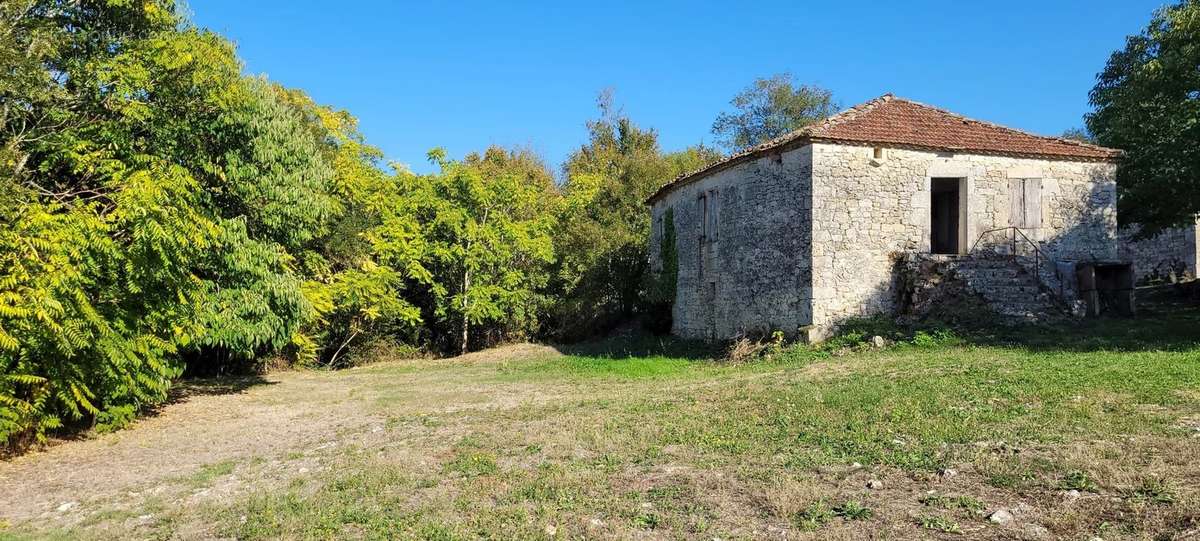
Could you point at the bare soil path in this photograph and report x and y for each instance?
(281, 423)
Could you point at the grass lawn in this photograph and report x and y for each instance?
(1085, 431)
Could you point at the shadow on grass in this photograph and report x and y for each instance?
(1165, 321)
(181, 391)
(215, 386)
(638, 344)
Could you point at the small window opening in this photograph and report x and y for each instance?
(877, 153)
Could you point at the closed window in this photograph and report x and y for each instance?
(714, 215)
(1026, 202)
(710, 215)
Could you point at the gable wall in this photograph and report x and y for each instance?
(866, 211)
(757, 276)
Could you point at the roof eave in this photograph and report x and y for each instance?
(798, 142)
(719, 166)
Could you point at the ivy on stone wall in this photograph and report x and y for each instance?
(669, 255)
(660, 295)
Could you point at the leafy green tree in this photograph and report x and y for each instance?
(488, 223)
(99, 235)
(603, 235)
(769, 108)
(1147, 103)
(1078, 134)
(155, 205)
(362, 274)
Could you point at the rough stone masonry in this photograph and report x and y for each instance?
(803, 232)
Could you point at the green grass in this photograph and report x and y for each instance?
(928, 402)
(644, 437)
(942, 501)
(582, 368)
(210, 472)
(939, 524)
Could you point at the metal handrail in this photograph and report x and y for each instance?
(1038, 255)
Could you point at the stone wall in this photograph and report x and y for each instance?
(866, 211)
(756, 277)
(1172, 255)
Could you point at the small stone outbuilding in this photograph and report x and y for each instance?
(802, 232)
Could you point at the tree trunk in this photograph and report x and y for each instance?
(465, 324)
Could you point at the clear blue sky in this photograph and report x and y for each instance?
(467, 75)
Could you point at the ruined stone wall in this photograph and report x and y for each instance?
(867, 210)
(1172, 255)
(756, 277)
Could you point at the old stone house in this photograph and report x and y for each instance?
(802, 232)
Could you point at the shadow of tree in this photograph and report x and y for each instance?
(1162, 324)
(638, 343)
(214, 386)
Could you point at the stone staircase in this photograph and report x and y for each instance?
(999, 282)
(1011, 289)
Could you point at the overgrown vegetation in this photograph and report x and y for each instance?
(162, 213)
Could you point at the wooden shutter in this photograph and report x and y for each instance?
(1025, 202)
(1016, 198)
(1033, 202)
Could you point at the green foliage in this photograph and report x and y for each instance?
(969, 503)
(158, 208)
(660, 294)
(361, 273)
(1152, 490)
(1147, 103)
(769, 108)
(488, 222)
(853, 510)
(272, 174)
(602, 238)
(1078, 480)
(938, 524)
(1078, 134)
(813, 516)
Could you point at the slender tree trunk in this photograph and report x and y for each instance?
(342, 347)
(465, 324)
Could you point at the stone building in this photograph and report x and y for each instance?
(802, 232)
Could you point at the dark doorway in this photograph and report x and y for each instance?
(945, 216)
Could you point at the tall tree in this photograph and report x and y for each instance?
(603, 234)
(155, 206)
(769, 108)
(100, 230)
(362, 273)
(1147, 103)
(489, 221)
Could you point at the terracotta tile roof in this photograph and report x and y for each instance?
(897, 122)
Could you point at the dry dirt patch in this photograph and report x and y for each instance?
(216, 442)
